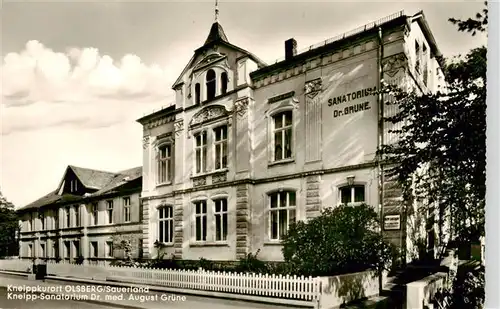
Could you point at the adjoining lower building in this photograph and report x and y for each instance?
(249, 148)
(86, 218)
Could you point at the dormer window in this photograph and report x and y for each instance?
(197, 93)
(211, 84)
(73, 186)
(223, 83)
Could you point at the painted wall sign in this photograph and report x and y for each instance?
(392, 222)
(353, 108)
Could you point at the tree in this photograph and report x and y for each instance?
(9, 228)
(344, 239)
(444, 134)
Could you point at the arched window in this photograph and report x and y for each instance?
(223, 82)
(197, 93)
(211, 84)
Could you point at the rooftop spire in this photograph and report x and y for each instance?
(216, 10)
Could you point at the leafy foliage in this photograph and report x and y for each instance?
(251, 264)
(473, 25)
(444, 134)
(341, 240)
(467, 291)
(9, 228)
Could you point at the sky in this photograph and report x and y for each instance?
(75, 75)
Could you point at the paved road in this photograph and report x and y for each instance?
(149, 300)
(6, 303)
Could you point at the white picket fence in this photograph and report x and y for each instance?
(285, 287)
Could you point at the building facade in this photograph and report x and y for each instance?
(86, 218)
(248, 147)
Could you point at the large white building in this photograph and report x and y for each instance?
(249, 147)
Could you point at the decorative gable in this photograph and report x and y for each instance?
(208, 114)
(209, 59)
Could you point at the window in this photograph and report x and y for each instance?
(56, 218)
(424, 62)
(220, 220)
(126, 209)
(42, 251)
(166, 224)
(283, 136)
(201, 152)
(201, 220)
(68, 216)
(211, 84)
(417, 57)
(30, 251)
(109, 209)
(220, 147)
(56, 249)
(76, 246)
(95, 213)
(30, 222)
(77, 216)
(281, 213)
(67, 249)
(164, 172)
(41, 217)
(94, 249)
(197, 93)
(352, 194)
(223, 83)
(109, 249)
(73, 186)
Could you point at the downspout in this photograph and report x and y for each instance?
(380, 142)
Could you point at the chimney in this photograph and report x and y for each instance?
(290, 48)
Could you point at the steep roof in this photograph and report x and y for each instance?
(119, 179)
(102, 181)
(216, 34)
(92, 179)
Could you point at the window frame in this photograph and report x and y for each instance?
(224, 82)
(94, 249)
(224, 143)
(202, 147)
(197, 93)
(286, 105)
(67, 219)
(127, 209)
(353, 193)
(109, 249)
(210, 84)
(166, 223)
(41, 217)
(76, 215)
(110, 211)
(220, 215)
(277, 209)
(204, 223)
(169, 162)
(94, 208)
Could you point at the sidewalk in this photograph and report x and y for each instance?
(129, 300)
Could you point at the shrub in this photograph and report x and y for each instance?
(251, 264)
(344, 239)
(467, 290)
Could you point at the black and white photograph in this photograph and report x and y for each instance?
(248, 154)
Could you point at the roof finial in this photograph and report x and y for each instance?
(216, 10)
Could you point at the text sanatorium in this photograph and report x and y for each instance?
(354, 108)
(76, 289)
